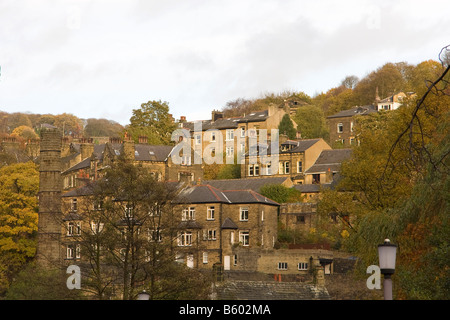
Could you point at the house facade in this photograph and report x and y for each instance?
(229, 137)
(294, 158)
(341, 125)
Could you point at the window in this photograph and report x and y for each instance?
(210, 213)
(188, 214)
(186, 160)
(230, 151)
(185, 239)
(286, 167)
(74, 205)
(198, 139)
(351, 126)
(73, 251)
(301, 219)
(74, 228)
(235, 260)
(302, 266)
(299, 167)
(129, 211)
(96, 227)
(253, 170)
(98, 205)
(205, 257)
(316, 178)
(213, 136)
(243, 216)
(211, 234)
(244, 238)
(155, 235)
(282, 266)
(340, 128)
(230, 134)
(242, 131)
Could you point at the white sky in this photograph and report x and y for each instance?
(103, 58)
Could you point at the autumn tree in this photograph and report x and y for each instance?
(394, 187)
(18, 217)
(129, 243)
(102, 128)
(152, 120)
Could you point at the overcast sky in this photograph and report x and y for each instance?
(103, 58)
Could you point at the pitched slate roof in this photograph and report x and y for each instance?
(329, 159)
(254, 184)
(269, 290)
(229, 123)
(145, 152)
(360, 110)
(201, 194)
(229, 224)
(302, 145)
(247, 196)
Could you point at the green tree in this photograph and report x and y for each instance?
(287, 127)
(280, 193)
(311, 122)
(152, 120)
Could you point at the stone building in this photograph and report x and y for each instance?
(341, 125)
(294, 158)
(87, 160)
(231, 135)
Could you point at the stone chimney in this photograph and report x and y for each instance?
(186, 178)
(49, 251)
(215, 115)
(86, 148)
(128, 147)
(143, 139)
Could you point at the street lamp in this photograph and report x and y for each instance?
(143, 296)
(386, 253)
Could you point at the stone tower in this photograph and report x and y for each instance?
(50, 185)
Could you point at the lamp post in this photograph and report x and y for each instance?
(143, 296)
(386, 253)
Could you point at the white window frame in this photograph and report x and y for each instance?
(299, 166)
(302, 266)
(244, 238)
(282, 266)
(243, 213)
(286, 167)
(210, 211)
(229, 135)
(185, 239)
(198, 138)
(340, 127)
(188, 214)
(73, 229)
(205, 257)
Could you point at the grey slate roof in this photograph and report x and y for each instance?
(208, 194)
(254, 184)
(329, 159)
(265, 290)
(229, 123)
(360, 110)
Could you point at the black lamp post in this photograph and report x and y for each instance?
(387, 253)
